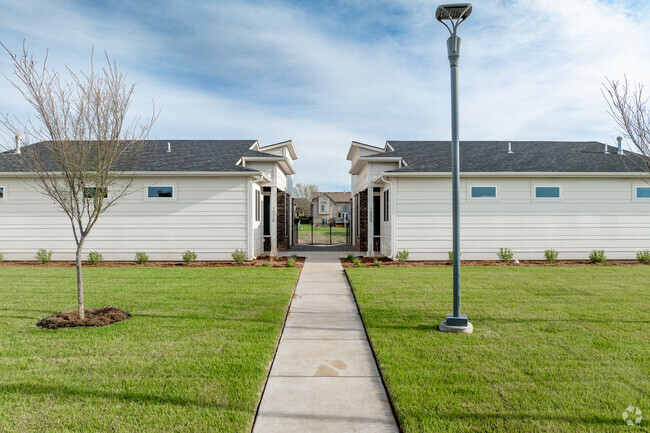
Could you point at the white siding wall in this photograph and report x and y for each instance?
(362, 180)
(593, 213)
(273, 170)
(208, 215)
(267, 168)
(377, 168)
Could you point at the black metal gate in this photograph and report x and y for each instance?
(305, 232)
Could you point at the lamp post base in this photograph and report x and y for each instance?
(456, 324)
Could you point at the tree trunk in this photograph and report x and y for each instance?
(80, 281)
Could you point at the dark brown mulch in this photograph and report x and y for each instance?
(388, 263)
(94, 317)
(274, 262)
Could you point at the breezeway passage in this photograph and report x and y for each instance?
(324, 377)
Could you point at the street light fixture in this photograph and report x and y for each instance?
(455, 14)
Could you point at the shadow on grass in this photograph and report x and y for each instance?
(474, 320)
(570, 419)
(67, 392)
(30, 310)
(201, 317)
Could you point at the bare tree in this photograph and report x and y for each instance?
(302, 194)
(85, 151)
(628, 108)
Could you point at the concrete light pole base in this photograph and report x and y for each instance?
(443, 327)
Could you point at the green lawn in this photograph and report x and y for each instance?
(193, 358)
(554, 349)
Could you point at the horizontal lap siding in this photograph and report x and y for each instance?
(592, 214)
(208, 216)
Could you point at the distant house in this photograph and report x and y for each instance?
(208, 196)
(330, 206)
(569, 196)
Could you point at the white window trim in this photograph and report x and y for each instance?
(634, 193)
(146, 192)
(534, 192)
(469, 192)
(4, 193)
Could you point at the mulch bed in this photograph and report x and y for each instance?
(94, 317)
(274, 262)
(368, 262)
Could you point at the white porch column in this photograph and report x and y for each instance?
(250, 217)
(274, 221)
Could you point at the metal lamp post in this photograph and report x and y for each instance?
(455, 14)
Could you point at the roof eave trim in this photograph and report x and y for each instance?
(356, 167)
(378, 158)
(274, 158)
(288, 144)
(363, 146)
(247, 173)
(515, 174)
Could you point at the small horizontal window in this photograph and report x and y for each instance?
(2, 192)
(484, 192)
(92, 192)
(547, 192)
(160, 192)
(643, 192)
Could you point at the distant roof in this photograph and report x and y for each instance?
(526, 156)
(338, 197)
(185, 155)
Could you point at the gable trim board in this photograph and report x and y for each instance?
(595, 210)
(211, 213)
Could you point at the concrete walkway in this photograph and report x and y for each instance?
(324, 377)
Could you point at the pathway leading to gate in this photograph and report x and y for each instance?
(324, 377)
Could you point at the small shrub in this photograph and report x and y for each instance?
(551, 255)
(451, 255)
(641, 256)
(597, 256)
(357, 263)
(505, 254)
(377, 264)
(141, 257)
(95, 258)
(350, 257)
(402, 256)
(266, 264)
(44, 256)
(294, 257)
(189, 257)
(291, 263)
(239, 256)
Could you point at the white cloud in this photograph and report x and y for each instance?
(530, 69)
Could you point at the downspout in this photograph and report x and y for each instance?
(393, 239)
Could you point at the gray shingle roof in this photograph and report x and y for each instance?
(527, 156)
(185, 155)
(338, 197)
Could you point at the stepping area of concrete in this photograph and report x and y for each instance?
(324, 377)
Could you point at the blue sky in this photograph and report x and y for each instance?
(324, 73)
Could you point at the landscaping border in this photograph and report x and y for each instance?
(273, 262)
(369, 262)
